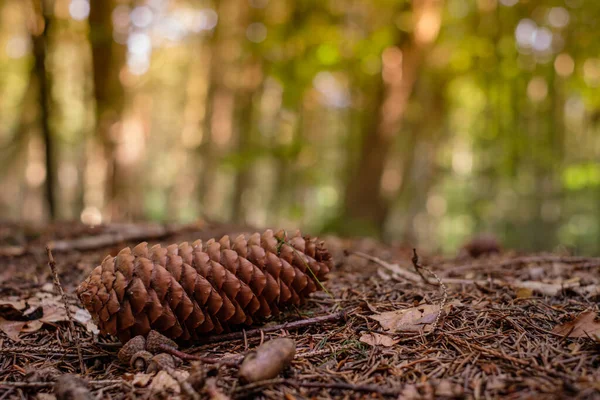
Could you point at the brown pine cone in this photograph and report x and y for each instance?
(185, 291)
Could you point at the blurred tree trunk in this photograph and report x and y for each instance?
(225, 79)
(40, 28)
(107, 58)
(365, 204)
(244, 118)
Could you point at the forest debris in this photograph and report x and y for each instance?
(377, 339)
(164, 382)
(449, 389)
(72, 387)
(585, 325)
(134, 345)
(414, 319)
(142, 379)
(197, 378)
(48, 374)
(268, 360)
(213, 391)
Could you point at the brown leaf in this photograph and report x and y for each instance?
(142, 379)
(12, 328)
(377, 339)
(414, 319)
(47, 310)
(585, 325)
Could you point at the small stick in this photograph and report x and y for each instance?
(52, 265)
(192, 357)
(288, 325)
(393, 268)
(419, 267)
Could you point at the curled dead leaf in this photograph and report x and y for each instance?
(377, 339)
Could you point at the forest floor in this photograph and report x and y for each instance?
(512, 326)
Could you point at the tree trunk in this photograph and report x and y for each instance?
(365, 203)
(40, 50)
(108, 58)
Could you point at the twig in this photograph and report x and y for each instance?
(549, 289)
(192, 357)
(122, 234)
(393, 268)
(588, 262)
(52, 265)
(288, 326)
(419, 267)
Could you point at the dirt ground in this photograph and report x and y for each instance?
(512, 326)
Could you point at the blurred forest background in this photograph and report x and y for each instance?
(424, 121)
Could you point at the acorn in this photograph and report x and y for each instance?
(163, 361)
(140, 360)
(155, 340)
(134, 345)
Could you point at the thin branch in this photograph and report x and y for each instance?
(192, 357)
(286, 326)
(52, 265)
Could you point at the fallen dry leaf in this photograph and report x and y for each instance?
(585, 325)
(19, 316)
(377, 339)
(142, 379)
(165, 382)
(414, 319)
(12, 328)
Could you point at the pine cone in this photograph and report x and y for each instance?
(185, 291)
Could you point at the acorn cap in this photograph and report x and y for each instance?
(162, 361)
(140, 360)
(155, 339)
(134, 345)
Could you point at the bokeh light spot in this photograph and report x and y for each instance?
(79, 9)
